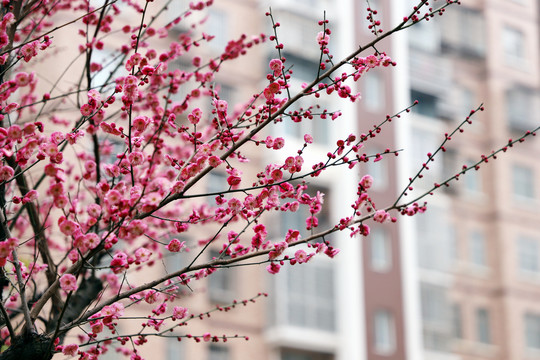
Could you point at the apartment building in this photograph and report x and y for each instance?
(470, 263)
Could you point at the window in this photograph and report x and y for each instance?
(523, 182)
(374, 93)
(216, 183)
(436, 314)
(175, 349)
(427, 104)
(513, 42)
(380, 250)
(425, 35)
(384, 332)
(532, 331)
(221, 283)
(217, 26)
(472, 179)
(467, 102)
(457, 325)
(472, 32)
(483, 327)
(435, 240)
(528, 251)
(464, 31)
(289, 354)
(424, 141)
(218, 352)
(297, 220)
(477, 248)
(521, 102)
(309, 295)
(304, 71)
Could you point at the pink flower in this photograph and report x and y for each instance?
(276, 65)
(152, 296)
(68, 227)
(86, 109)
(308, 138)
(221, 105)
(142, 254)
(97, 327)
(91, 240)
(22, 79)
(70, 349)
(214, 161)
(113, 197)
(301, 256)
(233, 180)
(278, 143)
(6, 173)
(207, 337)
(15, 132)
(68, 282)
(179, 313)
(322, 38)
(235, 205)
(273, 268)
(331, 252)
(366, 182)
(381, 216)
(93, 210)
(136, 158)
(372, 61)
(140, 123)
(175, 245)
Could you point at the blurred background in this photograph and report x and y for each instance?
(461, 281)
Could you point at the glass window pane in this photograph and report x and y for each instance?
(528, 251)
(483, 332)
(457, 326)
(478, 248)
(218, 353)
(513, 44)
(380, 250)
(532, 331)
(523, 182)
(310, 295)
(384, 331)
(221, 283)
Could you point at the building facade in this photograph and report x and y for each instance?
(461, 281)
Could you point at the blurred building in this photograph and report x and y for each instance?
(468, 268)
(461, 281)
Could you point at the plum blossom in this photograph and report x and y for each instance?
(176, 245)
(69, 227)
(381, 216)
(142, 254)
(366, 181)
(273, 268)
(70, 349)
(301, 256)
(277, 66)
(68, 282)
(179, 313)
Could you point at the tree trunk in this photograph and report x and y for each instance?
(29, 347)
